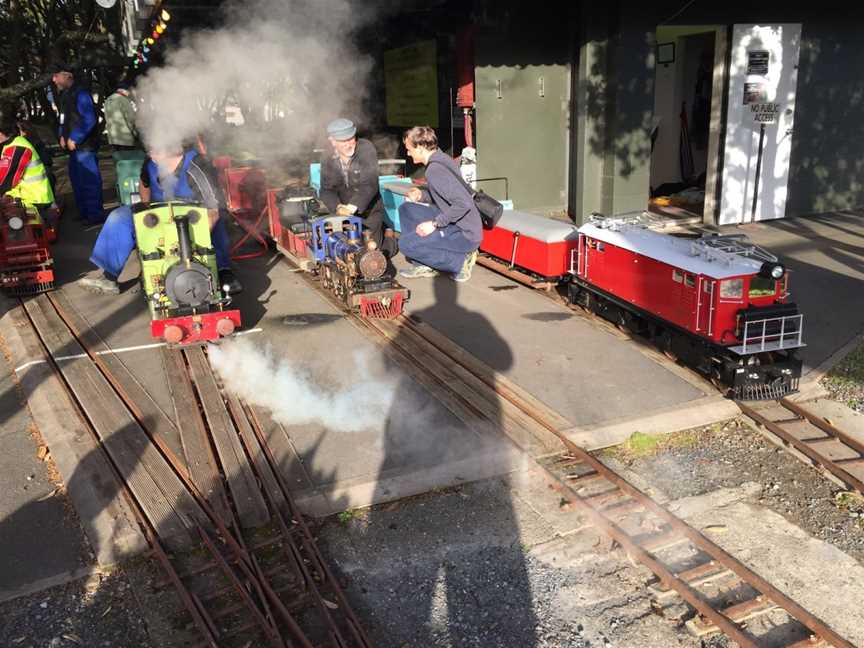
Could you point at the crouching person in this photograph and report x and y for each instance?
(444, 234)
(191, 178)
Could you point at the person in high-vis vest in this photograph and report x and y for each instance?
(80, 135)
(23, 176)
(180, 175)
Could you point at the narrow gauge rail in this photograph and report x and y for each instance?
(488, 402)
(827, 447)
(267, 586)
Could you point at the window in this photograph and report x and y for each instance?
(677, 276)
(689, 281)
(731, 289)
(762, 286)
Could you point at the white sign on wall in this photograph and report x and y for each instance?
(765, 113)
(763, 77)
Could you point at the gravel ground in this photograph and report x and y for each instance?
(478, 566)
(95, 612)
(845, 382)
(728, 455)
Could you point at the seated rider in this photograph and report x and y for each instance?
(23, 176)
(444, 235)
(349, 180)
(192, 178)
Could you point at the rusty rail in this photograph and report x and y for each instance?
(500, 388)
(239, 566)
(808, 446)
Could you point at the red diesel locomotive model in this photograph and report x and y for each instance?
(719, 303)
(26, 264)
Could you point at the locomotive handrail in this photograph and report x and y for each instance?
(770, 341)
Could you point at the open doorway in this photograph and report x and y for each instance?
(684, 135)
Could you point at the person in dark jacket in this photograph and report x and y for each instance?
(349, 179)
(444, 235)
(79, 134)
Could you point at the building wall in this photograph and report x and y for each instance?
(614, 106)
(614, 101)
(827, 167)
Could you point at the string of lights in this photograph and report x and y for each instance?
(159, 25)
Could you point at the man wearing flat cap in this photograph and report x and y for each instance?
(79, 134)
(349, 179)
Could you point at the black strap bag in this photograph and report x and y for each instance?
(489, 208)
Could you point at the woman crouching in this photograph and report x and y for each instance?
(442, 236)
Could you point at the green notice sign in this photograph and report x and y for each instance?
(411, 82)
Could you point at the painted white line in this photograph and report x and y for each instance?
(28, 364)
(140, 347)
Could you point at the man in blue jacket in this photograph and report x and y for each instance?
(79, 134)
(169, 175)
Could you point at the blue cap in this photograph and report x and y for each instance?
(341, 129)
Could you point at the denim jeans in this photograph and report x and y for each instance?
(86, 185)
(444, 249)
(117, 240)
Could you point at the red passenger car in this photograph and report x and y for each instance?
(718, 303)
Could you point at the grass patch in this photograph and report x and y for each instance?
(849, 501)
(345, 517)
(850, 370)
(641, 445)
(845, 381)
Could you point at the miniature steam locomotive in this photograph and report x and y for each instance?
(179, 274)
(26, 264)
(334, 248)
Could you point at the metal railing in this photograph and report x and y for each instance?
(762, 335)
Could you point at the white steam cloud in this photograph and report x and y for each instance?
(260, 377)
(288, 66)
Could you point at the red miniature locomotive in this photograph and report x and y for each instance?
(719, 303)
(26, 265)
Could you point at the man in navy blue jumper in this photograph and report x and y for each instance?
(79, 134)
(444, 235)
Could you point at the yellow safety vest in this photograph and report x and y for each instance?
(34, 188)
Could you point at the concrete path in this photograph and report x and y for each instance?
(40, 536)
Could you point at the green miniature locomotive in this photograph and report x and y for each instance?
(179, 274)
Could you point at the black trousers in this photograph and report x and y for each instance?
(373, 221)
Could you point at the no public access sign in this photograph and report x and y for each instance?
(765, 113)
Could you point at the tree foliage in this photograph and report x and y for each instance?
(34, 34)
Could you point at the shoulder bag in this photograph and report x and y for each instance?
(489, 208)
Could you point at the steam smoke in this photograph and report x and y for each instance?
(289, 65)
(262, 378)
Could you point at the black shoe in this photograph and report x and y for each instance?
(228, 283)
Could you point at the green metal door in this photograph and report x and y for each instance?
(522, 126)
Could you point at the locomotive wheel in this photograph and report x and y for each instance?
(724, 390)
(665, 344)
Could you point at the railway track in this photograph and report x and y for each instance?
(826, 446)
(683, 560)
(206, 490)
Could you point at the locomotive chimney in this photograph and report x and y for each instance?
(183, 238)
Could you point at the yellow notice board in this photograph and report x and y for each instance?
(411, 85)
